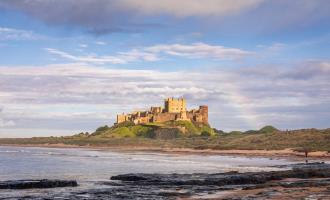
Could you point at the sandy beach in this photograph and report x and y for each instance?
(214, 171)
(285, 153)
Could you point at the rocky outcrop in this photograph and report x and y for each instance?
(221, 179)
(292, 184)
(175, 186)
(30, 184)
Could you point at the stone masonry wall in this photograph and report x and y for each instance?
(175, 109)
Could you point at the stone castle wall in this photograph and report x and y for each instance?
(163, 117)
(174, 109)
(173, 105)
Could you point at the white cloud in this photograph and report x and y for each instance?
(6, 123)
(17, 34)
(199, 50)
(83, 45)
(100, 43)
(136, 55)
(274, 47)
(154, 53)
(88, 59)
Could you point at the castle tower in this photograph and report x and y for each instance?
(204, 111)
(121, 118)
(173, 105)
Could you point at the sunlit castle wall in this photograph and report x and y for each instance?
(173, 105)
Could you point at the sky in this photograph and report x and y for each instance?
(68, 66)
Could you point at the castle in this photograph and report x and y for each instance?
(174, 109)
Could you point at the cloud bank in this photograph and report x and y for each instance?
(108, 16)
(78, 95)
(186, 8)
(4, 122)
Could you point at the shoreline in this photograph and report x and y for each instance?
(284, 153)
(280, 181)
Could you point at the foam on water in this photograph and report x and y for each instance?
(91, 166)
(86, 164)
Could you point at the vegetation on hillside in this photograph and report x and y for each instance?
(122, 130)
(263, 130)
(192, 136)
(150, 130)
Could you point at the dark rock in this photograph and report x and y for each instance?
(44, 183)
(291, 184)
(129, 177)
(211, 183)
(175, 186)
(221, 179)
(305, 183)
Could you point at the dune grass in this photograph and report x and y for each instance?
(137, 135)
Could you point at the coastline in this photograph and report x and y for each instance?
(248, 185)
(284, 153)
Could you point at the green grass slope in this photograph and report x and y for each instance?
(196, 137)
(127, 129)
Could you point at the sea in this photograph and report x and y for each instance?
(91, 166)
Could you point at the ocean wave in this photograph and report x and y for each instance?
(9, 151)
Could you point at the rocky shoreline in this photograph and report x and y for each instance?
(32, 184)
(284, 153)
(304, 179)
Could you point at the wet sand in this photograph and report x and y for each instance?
(284, 153)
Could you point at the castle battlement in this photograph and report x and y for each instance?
(174, 109)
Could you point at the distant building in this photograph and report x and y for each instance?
(174, 109)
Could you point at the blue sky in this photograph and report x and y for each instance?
(68, 66)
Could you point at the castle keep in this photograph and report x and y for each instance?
(174, 109)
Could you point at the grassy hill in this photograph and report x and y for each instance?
(171, 129)
(182, 134)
